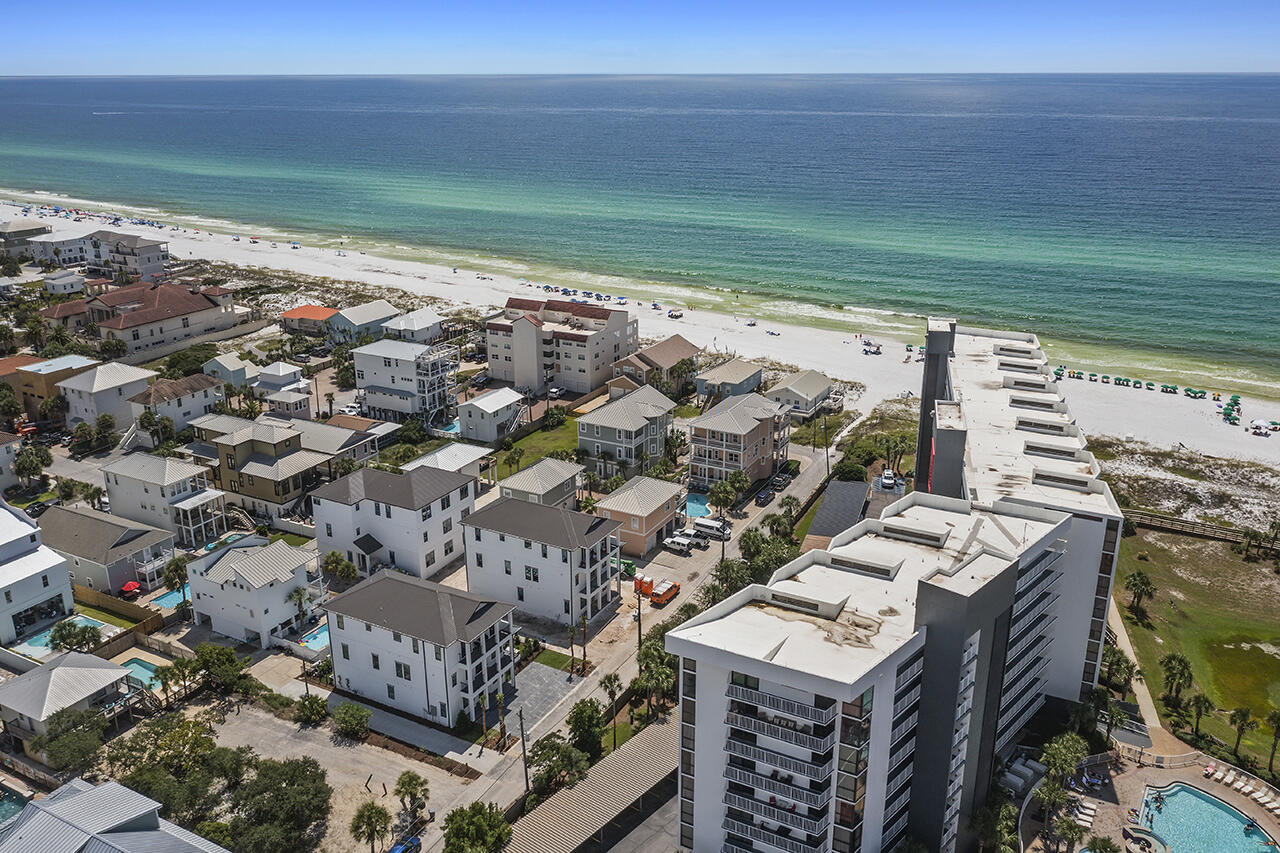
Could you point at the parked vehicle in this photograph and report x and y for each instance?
(764, 497)
(888, 479)
(663, 592)
(37, 509)
(715, 528)
(781, 481)
(409, 845)
(555, 393)
(697, 537)
(678, 544)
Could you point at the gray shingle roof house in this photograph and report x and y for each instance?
(412, 489)
(551, 525)
(429, 611)
(109, 818)
(104, 551)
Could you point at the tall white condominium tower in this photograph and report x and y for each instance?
(865, 694)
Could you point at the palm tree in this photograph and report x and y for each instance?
(502, 718)
(370, 823)
(328, 398)
(1100, 844)
(583, 625)
(1177, 674)
(587, 505)
(513, 458)
(722, 496)
(1199, 705)
(413, 791)
(1141, 586)
(611, 684)
(1115, 715)
(591, 481)
(175, 575)
(299, 596)
(740, 481)
(1069, 831)
(778, 525)
(1273, 720)
(1242, 721)
(790, 505)
(165, 676)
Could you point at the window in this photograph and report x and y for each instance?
(438, 652)
(479, 561)
(44, 580)
(426, 512)
(391, 691)
(387, 509)
(519, 593)
(443, 712)
(448, 548)
(444, 502)
(544, 552)
(395, 636)
(341, 625)
(528, 545)
(377, 509)
(374, 658)
(328, 530)
(368, 627)
(428, 559)
(446, 525)
(425, 535)
(462, 493)
(477, 534)
(415, 644)
(566, 605)
(346, 652)
(506, 566)
(402, 671)
(531, 573)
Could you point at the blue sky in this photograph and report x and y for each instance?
(661, 36)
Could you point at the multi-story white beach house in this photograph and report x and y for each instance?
(623, 434)
(243, 591)
(167, 493)
(423, 326)
(180, 400)
(744, 433)
(397, 380)
(35, 589)
(280, 376)
(534, 344)
(10, 444)
(104, 390)
(108, 253)
(554, 563)
(426, 649)
(410, 521)
(867, 691)
(489, 416)
(64, 283)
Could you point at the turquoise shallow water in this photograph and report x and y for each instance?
(1124, 212)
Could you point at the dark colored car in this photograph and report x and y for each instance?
(409, 845)
(764, 497)
(35, 510)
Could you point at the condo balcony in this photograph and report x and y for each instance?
(782, 705)
(774, 785)
(778, 840)
(808, 769)
(773, 814)
(781, 732)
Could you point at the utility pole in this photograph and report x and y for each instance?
(826, 444)
(524, 755)
(639, 629)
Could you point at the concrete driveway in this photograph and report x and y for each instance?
(87, 470)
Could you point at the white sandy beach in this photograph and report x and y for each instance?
(1165, 420)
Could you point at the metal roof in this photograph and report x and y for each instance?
(543, 476)
(454, 456)
(429, 611)
(392, 348)
(262, 465)
(492, 401)
(572, 816)
(562, 528)
(259, 566)
(109, 818)
(631, 411)
(60, 683)
(738, 415)
(161, 470)
(378, 310)
(423, 318)
(106, 376)
(640, 496)
(64, 362)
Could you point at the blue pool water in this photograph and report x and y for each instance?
(222, 543)
(37, 645)
(452, 427)
(10, 804)
(317, 638)
(143, 670)
(1191, 821)
(173, 597)
(695, 506)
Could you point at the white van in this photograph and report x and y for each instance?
(678, 544)
(714, 528)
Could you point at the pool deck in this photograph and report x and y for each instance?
(1129, 784)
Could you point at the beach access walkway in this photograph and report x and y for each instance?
(1163, 742)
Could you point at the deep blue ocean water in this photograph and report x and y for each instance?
(1125, 211)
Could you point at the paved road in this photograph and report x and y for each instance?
(87, 470)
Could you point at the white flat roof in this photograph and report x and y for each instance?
(847, 608)
(36, 562)
(492, 401)
(453, 456)
(1019, 436)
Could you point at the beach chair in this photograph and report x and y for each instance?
(1263, 797)
(1248, 789)
(1231, 777)
(1240, 783)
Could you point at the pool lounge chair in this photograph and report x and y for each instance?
(1240, 783)
(1231, 777)
(1217, 777)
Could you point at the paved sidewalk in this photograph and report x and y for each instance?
(433, 740)
(1150, 715)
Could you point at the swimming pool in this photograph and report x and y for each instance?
(11, 803)
(317, 638)
(453, 427)
(143, 670)
(222, 543)
(173, 597)
(37, 645)
(695, 506)
(1190, 820)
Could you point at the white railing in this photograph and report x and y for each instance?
(778, 703)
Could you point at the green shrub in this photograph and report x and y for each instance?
(311, 710)
(352, 720)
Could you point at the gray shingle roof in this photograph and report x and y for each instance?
(97, 536)
(61, 682)
(561, 528)
(259, 566)
(164, 390)
(842, 507)
(542, 476)
(667, 353)
(630, 411)
(807, 383)
(640, 496)
(109, 818)
(429, 611)
(739, 414)
(379, 310)
(413, 489)
(733, 371)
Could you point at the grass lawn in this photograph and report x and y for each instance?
(625, 731)
(687, 410)
(294, 539)
(104, 616)
(1220, 612)
(23, 503)
(802, 528)
(810, 433)
(552, 658)
(540, 443)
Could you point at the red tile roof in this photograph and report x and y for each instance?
(580, 309)
(309, 312)
(525, 304)
(155, 302)
(13, 362)
(63, 309)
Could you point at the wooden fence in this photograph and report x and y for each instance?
(1167, 523)
(148, 621)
